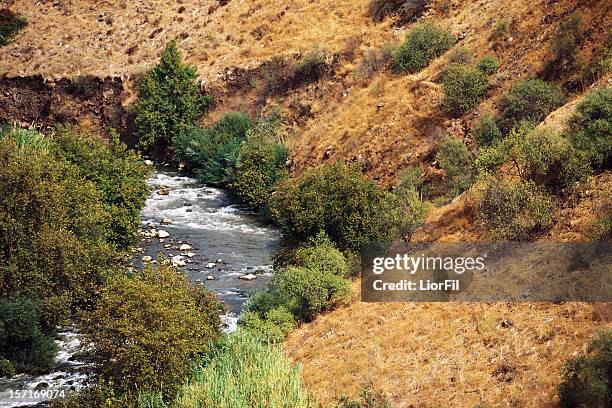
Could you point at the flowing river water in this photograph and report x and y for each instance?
(211, 239)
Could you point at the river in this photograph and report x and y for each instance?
(226, 248)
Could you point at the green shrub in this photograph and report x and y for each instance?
(118, 173)
(487, 132)
(601, 228)
(587, 379)
(591, 127)
(10, 25)
(488, 64)
(463, 87)
(528, 101)
(369, 398)
(514, 210)
(261, 164)
(145, 330)
(7, 369)
(23, 345)
(600, 64)
(321, 254)
(273, 327)
(339, 200)
(170, 101)
(310, 67)
(212, 153)
(456, 161)
(423, 43)
(53, 231)
(25, 139)
(244, 372)
(501, 27)
(567, 39)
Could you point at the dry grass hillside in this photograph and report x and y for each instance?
(419, 355)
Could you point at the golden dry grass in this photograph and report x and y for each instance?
(444, 355)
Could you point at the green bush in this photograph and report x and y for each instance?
(591, 127)
(487, 132)
(310, 67)
(10, 25)
(261, 164)
(567, 39)
(459, 55)
(600, 64)
(244, 372)
(463, 87)
(118, 173)
(146, 329)
(339, 200)
(369, 398)
(321, 254)
(273, 327)
(23, 345)
(488, 64)
(456, 161)
(587, 379)
(212, 153)
(514, 210)
(170, 101)
(53, 231)
(423, 43)
(528, 101)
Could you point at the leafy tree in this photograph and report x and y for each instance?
(423, 43)
(170, 100)
(464, 87)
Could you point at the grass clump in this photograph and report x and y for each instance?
(423, 43)
(369, 398)
(587, 379)
(10, 25)
(243, 372)
(170, 100)
(528, 101)
(463, 87)
(591, 127)
(146, 328)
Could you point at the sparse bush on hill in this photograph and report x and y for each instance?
(339, 200)
(591, 127)
(244, 372)
(373, 61)
(10, 25)
(587, 379)
(456, 161)
(459, 55)
(212, 153)
(310, 67)
(464, 87)
(369, 398)
(261, 165)
(501, 28)
(528, 101)
(487, 132)
(405, 10)
(514, 210)
(566, 40)
(423, 43)
(600, 64)
(488, 64)
(145, 330)
(118, 174)
(170, 101)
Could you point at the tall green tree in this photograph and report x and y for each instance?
(170, 100)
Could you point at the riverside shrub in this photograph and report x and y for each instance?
(587, 379)
(146, 329)
(212, 153)
(528, 101)
(423, 43)
(591, 127)
(118, 174)
(170, 101)
(339, 200)
(464, 87)
(53, 231)
(261, 164)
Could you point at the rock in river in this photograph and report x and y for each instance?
(185, 247)
(163, 234)
(248, 277)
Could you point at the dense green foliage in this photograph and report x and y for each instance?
(243, 372)
(591, 127)
(488, 64)
(260, 166)
(587, 379)
(170, 100)
(515, 210)
(23, 345)
(147, 327)
(10, 25)
(339, 200)
(423, 43)
(456, 161)
(118, 174)
(528, 101)
(464, 87)
(212, 153)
